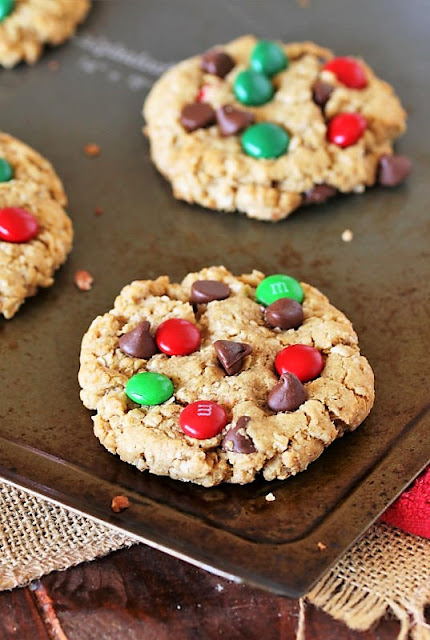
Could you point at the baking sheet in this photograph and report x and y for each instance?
(380, 280)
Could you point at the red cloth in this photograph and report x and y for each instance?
(411, 511)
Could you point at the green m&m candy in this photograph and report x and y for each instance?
(6, 7)
(6, 171)
(268, 57)
(265, 140)
(276, 287)
(149, 388)
(252, 88)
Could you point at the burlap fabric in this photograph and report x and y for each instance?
(387, 570)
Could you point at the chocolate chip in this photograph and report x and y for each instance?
(208, 290)
(287, 395)
(217, 62)
(284, 313)
(231, 355)
(197, 115)
(138, 342)
(236, 439)
(232, 120)
(321, 92)
(319, 194)
(392, 170)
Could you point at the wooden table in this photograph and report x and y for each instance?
(143, 594)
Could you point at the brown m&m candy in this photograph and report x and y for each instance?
(288, 394)
(231, 355)
(208, 290)
(236, 439)
(138, 342)
(232, 120)
(197, 115)
(217, 62)
(284, 313)
(392, 170)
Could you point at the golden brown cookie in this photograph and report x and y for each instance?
(263, 128)
(26, 26)
(35, 237)
(28, 165)
(220, 378)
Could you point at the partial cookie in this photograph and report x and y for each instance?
(18, 161)
(35, 237)
(221, 378)
(261, 127)
(26, 26)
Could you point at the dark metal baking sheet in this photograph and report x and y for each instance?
(380, 280)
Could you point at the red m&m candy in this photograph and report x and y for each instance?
(346, 129)
(305, 362)
(177, 337)
(203, 419)
(17, 225)
(348, 71)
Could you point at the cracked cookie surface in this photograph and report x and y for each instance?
(25, 266)
(32, 24)
(278, 443)
(210, 168)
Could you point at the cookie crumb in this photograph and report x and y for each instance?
(321, 546)
(347, 235)
(83, 280)
(119, 503)
(270, 497)
(98, 211)
(92, 150)
(53, 65)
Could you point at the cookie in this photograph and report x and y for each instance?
(222, 378)
(35, 237)
(26, 26)
(263, 128)
(18, 161)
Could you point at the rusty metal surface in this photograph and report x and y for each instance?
(380, 280)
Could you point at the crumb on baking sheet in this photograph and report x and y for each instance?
(53, 65)
(347, 235)
(321, 546)
(119, 503)
(83, 280)
(92, 149)
(98, 211)
(270, 497)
